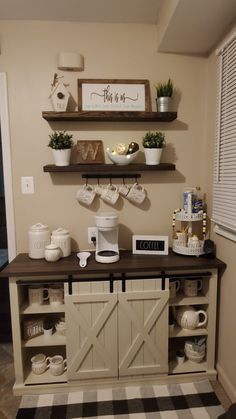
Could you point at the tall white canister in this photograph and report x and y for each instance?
(61, 237)
(39, 236)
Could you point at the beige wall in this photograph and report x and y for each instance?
(28, 57)
(226, 363)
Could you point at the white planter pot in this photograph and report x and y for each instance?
(152, 155)
(62, 157)
(163, 104)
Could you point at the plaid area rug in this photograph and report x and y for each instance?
(172, 401)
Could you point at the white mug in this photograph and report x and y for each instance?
(174, 286)
(36, 295)
(86, 194)
(98, 189)
(56, 295)
(192, 286)
(110, 194)
(39, 364)
(136, 194)
(181, 238)
(193, 242)
(124, 190)
(57, 365)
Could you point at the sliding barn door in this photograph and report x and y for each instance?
(91, 322)
(143, 328)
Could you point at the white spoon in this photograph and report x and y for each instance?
(83, 256)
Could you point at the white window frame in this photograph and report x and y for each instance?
(224, 184)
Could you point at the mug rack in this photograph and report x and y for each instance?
(111, 176)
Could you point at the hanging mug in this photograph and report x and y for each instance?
(86, 194)
(110, 194)
(136, 194)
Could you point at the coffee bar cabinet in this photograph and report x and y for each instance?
(116, 320)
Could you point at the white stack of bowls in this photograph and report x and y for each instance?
(194, 353)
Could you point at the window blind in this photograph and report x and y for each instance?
(224, 183)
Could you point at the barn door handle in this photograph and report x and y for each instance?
(123, 279)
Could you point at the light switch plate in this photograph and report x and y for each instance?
(27, 184)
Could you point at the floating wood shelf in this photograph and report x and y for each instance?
(112, 116)
(108, 168)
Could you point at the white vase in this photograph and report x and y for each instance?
(62, 157)
(152, 155)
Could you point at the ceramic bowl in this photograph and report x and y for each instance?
(121, 159)
(194, 356)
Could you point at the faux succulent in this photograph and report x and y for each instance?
(154, 140)
(60, 140)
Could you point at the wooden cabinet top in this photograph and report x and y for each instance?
(22, 265)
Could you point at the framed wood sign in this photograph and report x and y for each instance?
(150, 245)
(90, 152)
(114, 95)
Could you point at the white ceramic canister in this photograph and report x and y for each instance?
(61, 238)
(38, 237)
(52, 253)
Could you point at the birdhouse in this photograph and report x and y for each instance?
(59, 97)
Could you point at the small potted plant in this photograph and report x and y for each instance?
(47, 326)
(164, 94)
(61, 143)
(153, 143)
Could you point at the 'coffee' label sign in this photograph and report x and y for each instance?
(150, 245)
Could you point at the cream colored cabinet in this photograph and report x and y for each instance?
(28, 338)
(205, 300)
(116, 327)
(119, 334)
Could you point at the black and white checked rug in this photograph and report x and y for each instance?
(172, 401)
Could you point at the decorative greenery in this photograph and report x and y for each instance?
(47, 323)
(164, 89)
(60, 140)
(154, 140)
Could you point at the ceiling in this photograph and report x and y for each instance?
(110, 11)
(193, 26)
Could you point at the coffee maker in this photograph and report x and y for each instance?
(107, 250)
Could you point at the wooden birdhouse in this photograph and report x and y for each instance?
(59, 97)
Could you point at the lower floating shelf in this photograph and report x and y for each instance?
(109, 168)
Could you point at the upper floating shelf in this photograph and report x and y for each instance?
(111, 116)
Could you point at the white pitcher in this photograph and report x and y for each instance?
(189, 318)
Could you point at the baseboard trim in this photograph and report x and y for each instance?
(226, 383)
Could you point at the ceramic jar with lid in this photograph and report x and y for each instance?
(61, 238)
(39, 237)
(52, 253)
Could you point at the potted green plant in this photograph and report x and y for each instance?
(153, 143)
(61, 143)
(164, 93)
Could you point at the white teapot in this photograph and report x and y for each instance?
(189, 318)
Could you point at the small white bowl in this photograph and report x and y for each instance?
(120, 159)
